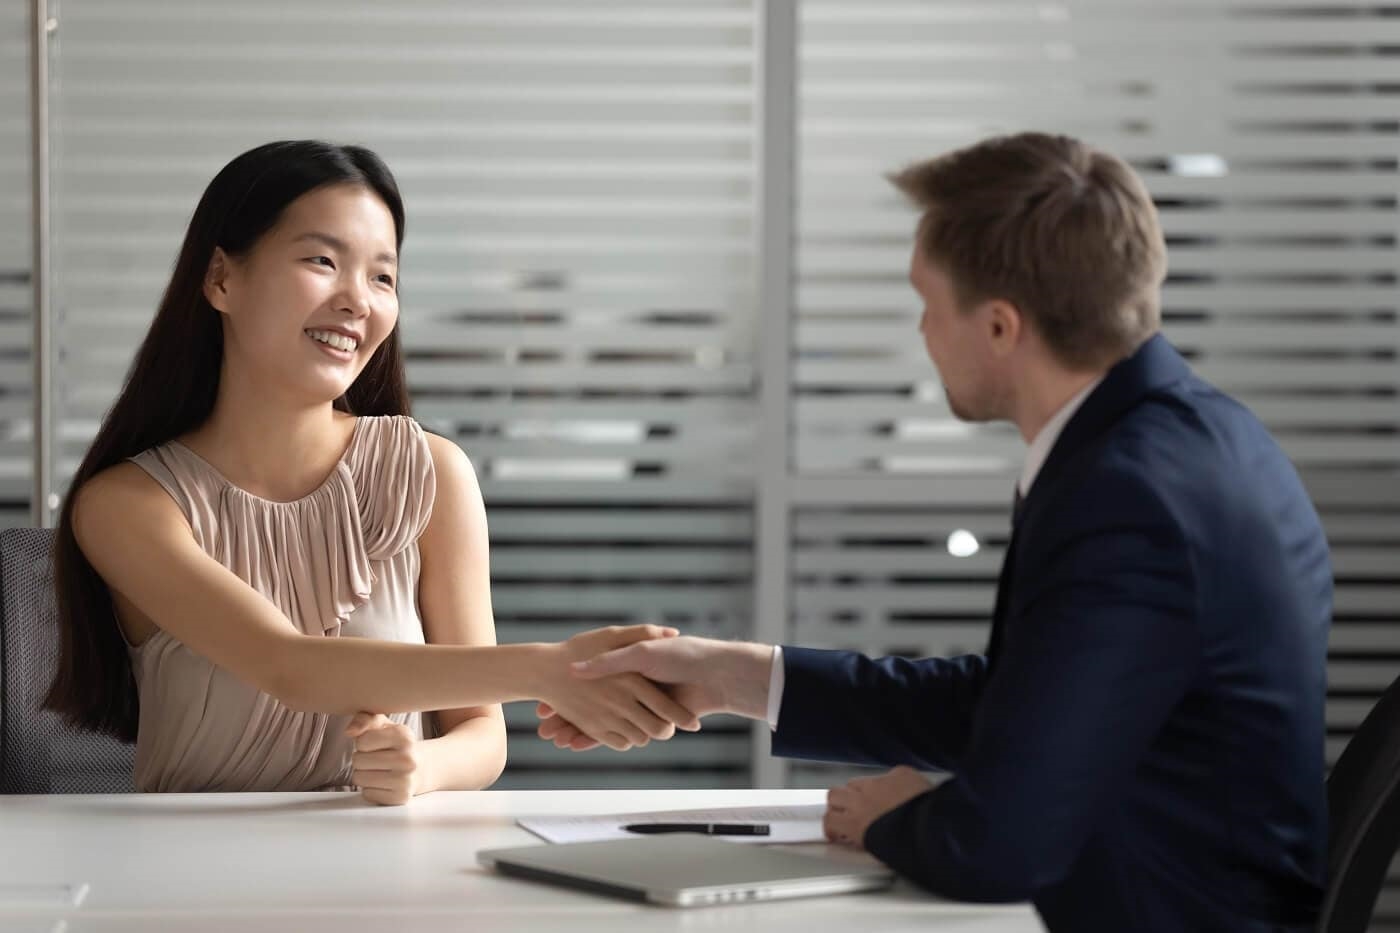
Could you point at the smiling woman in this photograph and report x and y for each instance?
(327, 269)
(265, 569)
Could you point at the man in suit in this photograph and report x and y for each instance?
(1141, 747)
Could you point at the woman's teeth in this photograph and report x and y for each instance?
(331, 338)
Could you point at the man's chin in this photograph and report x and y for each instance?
(961, 411)
(971, 415)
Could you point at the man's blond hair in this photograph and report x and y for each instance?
(1066, 233)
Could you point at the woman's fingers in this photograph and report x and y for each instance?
(616, 741)
(556, 730)
(361, 723)
(389, 794)
(376, 779)
(389, 759)
(553, 727)
(595, 642)
(565, 734)
(626, 658)
(389, 735)
(627, 634)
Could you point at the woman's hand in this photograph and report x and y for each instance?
(387, 762)
(702, 674)
(621, 711)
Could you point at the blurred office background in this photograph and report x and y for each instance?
(654, 283)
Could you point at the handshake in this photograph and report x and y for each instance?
(626, 685)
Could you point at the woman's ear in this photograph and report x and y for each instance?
(216, 280)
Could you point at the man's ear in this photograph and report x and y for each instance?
(216, 280)
(1005, 325)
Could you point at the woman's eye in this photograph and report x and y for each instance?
(322, 261)
(386, 279)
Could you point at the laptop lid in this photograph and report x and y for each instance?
(686, 870)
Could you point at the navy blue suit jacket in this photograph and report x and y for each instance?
(1142, 747)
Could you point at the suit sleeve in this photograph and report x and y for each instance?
(1100, 649)
(843, 706)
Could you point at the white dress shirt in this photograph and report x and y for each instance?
(1036, 455)
(1044, 442)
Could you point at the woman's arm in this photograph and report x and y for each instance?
(454, 601)
(141, 545)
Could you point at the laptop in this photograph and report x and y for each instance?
(686, 870)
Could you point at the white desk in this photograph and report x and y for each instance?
(329, 862)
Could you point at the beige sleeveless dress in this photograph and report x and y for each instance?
(340, 562)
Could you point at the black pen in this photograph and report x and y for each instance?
(708, 829)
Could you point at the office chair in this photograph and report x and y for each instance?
(1363, 796)
(38, 753)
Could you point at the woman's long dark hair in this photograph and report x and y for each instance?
(170, 390)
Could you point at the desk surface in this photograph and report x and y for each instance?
(330, 862)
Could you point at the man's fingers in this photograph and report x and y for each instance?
(829, 828)
(657, 724)
(664, 705)
(544, 710)
(639, 722)
(630, 724)
(837, 799)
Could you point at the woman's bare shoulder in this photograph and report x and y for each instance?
(116, 496)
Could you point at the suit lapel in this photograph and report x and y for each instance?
(1154, 365)
(1008, 571)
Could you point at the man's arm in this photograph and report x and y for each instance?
(843, 706)
(835, 706)
(1090, 669)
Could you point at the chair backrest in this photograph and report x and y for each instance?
(38, 753)
(1363, 797)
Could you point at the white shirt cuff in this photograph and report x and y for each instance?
(776, 679)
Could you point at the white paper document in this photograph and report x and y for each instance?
(786, 824)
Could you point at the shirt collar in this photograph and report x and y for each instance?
(1044, 442)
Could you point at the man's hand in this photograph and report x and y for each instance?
(388, 769)
(616, 708)
(851, 809)
(704, 675)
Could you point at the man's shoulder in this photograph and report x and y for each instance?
(1182, 450)
(1186, 427)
